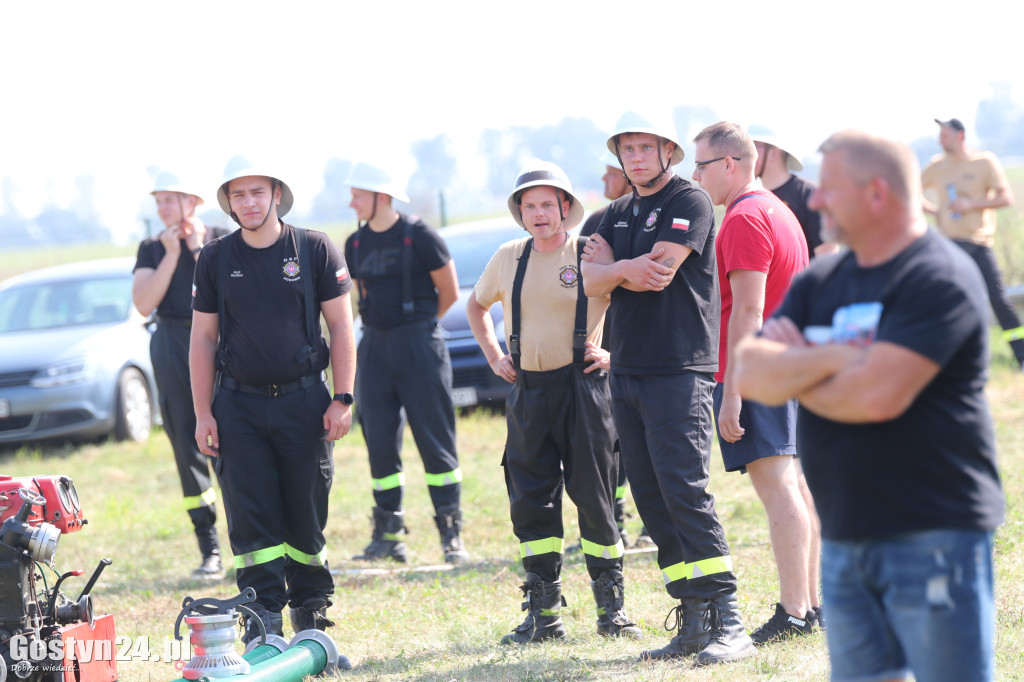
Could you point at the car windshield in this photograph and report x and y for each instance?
(472, 251)
(65, 303)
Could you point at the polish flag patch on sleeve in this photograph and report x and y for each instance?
(680, 224)
(342, 274)
(193, 291)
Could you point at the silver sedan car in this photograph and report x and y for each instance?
(74, 355)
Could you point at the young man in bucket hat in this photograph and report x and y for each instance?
(256, 337)
(407, 282)
(655, 254)
(560, 432)
(162, 282)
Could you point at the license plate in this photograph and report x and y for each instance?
(5, 408)
(464, 396)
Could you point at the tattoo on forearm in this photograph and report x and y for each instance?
(669, 262)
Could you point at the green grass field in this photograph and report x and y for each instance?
(436, 624)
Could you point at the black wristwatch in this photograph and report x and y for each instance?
(345, 398)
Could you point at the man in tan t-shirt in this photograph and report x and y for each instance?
(970, 185)
(560, 430)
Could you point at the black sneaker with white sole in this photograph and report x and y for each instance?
(781, 626)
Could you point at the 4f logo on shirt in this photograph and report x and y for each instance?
(291, 270)
(652, 220)
(569, 276)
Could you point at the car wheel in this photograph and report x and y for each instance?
(134, 407)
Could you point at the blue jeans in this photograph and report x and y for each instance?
(920, 603)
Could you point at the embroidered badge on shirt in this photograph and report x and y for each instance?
(680, 224)
(652, 220)
(342, 274)
(291, 270)
(568, 276)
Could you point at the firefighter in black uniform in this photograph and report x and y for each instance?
(256, 336)
(560, 431)
(163, 282)
(407, 282)
(655, 254)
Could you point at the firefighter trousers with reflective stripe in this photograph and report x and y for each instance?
(169, 352)
(560, 435)
(275, 470)
(409, 367)
(665, 428)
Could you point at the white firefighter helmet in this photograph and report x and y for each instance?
(537, 173)
(374, 179)
(242, 167)
(609, 159)
(793, 164)
(166, 181)
(633, 122)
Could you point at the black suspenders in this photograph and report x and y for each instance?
(408, 308)
(307, 353)
(579, 332)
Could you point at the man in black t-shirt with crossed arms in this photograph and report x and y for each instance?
(886, 348)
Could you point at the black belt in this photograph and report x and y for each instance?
(174, 321)
(274, 390)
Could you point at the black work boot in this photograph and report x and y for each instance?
(312, 615)
(729, 640)
(610, 595)
(544, 604)
(386, 540)
(691, 628)
(449, 525)
(272, 621)
(211, 567)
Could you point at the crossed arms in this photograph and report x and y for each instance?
(836, 381)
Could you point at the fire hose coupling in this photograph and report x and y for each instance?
(39, 541)
(276, 641)
(212, 634)
(336, 661)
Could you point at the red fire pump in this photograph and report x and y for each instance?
(46, 636)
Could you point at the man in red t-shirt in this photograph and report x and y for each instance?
(759, 249)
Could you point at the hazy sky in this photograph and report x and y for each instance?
(111, 88)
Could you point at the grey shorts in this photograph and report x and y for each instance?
(769, 431)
